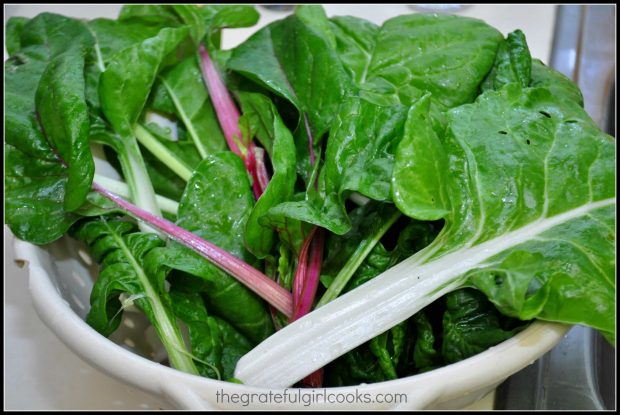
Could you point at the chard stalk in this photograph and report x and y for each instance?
(255, 280)
(307, 274)
(226, 110)
(228, 116)
(186, 120)
(138, 180)
(164, 324)
(121, 189)
(355, 260)
(160, 151)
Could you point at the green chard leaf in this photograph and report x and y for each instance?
(528, 162)
(559, 85)
(152, 13)
(181, 89)
(388, 348)
(202, 20)
(123, 255)
(260, 239)
(513, 63)
(355, 42)
(420, 158)
(410, 55)
(60, 102)
(359, 157)
(124, 86)
(292, 59)
(214, 211)
(471, 325)
(425, 355)
(295, 58)
(49, 167)
(13, 33)
(216, 345)
(531, 224)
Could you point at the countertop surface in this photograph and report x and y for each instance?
(41, 373)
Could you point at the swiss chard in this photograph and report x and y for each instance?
(122, 257)
(425, 121)
(508, 231)
(38, 202)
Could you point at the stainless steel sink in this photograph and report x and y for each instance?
(579, 373)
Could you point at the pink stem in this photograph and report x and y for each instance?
(314, 379)
(303, 297)
(299, 279)
(261, 169)
(225, 108)
(255, 280)
(310, 140)
(228, 116)
(250, 166)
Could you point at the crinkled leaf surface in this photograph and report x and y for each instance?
(408, 55)
(212, 339)
(471, 325)
(531, 181)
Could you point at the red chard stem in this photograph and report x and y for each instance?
(255, 280)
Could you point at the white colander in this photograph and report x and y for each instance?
(61, 277)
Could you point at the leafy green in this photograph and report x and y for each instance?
(513, 63)
(122, 254)
(531, 184)
(408, 55)
(546, 77)
(63, 115)
(491, 144)
(388, 348)
(425, 356)
(49, 166)
(203, 20)
(13, 33)
(471, 325)
(260, 239)
(183, 85)
(113, 36)
(213, 340)
(214, 211)
(355, 42)
(293, 59)
(358, 366)
(440, 121)
(359, 157)
(124, 86)
(347, 253)
(420, 152)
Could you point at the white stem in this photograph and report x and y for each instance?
(359, 199)
(140, 186)
(388, 299)
(121, 189)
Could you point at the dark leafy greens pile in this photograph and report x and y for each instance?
(346, 148)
